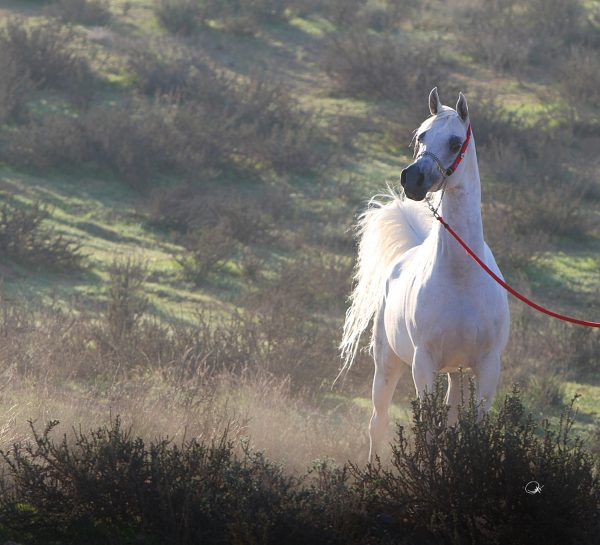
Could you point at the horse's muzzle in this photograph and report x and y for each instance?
(413, 182)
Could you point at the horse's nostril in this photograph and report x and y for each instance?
(403, 178)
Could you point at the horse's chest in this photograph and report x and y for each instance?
(466, 326)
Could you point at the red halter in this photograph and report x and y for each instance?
(450, 170)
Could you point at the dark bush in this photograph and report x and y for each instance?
(25, 240)
(131, 140)
(85, 12)
(217, 121)
(111, 486)
(445, 485)
(465, 483)
(46, 52)
(211, 124)
(250, 216)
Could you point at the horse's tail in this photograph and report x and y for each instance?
(385, 231)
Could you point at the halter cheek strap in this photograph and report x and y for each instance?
(450, 170)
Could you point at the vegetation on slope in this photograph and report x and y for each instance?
(178, 182)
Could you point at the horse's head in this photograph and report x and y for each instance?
(438, 141)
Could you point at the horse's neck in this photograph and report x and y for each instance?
(461, 209)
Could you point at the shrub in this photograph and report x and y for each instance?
(245, 16)
(131, 140)
(24, 239)
(507, 34)
(114, 485)
(218, 120)
(163, 69)
(126, 302)
(208, 249)
(47, 53)
(447, 484)
(579, 73)
(249, 216)
(343, 13)
(271, 127)
(16, 87)
(85, 12)
(181, 17)
(49, 141)
(465, 483)
(386, 65)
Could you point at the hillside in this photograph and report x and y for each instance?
(208, 161)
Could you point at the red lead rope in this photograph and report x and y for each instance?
(507, 287)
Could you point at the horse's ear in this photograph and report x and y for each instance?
(435, 104)
(461, 107)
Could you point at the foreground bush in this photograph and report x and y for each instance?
(446, 485)
(465, 483)
(109, 486)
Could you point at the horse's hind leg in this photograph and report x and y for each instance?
(388, 368)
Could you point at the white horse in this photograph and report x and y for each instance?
(432, 306)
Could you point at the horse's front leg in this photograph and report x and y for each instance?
(423, 372)
(487, 374)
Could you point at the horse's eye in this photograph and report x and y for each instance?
(421, 136)
(455, 144)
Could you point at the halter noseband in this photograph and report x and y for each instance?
(450, 170)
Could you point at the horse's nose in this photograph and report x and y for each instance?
(412, 175)
(403, 178)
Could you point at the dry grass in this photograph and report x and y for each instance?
(174, 381)
(259, 408)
